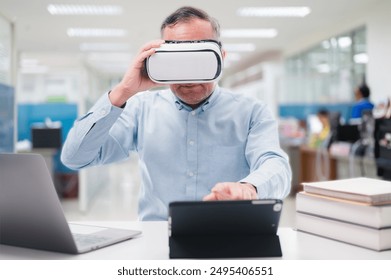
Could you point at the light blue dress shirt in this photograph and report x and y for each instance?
(183, 152)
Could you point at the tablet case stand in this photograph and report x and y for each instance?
(205, 247)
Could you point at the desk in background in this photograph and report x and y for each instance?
(340, 166)
(153, 245)
(308, 163)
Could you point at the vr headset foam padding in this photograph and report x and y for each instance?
(177, 62)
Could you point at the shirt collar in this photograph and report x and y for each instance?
(205, 106)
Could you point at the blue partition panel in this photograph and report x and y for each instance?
(301, 111)
(29, 114)
(7, 108)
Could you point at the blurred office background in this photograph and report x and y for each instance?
(57, 59)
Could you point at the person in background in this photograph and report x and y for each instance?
(318, 139)
(194, 141)
(362, 94)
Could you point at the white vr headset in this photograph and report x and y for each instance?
(179, 62)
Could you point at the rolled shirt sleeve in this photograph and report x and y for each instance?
(90, 140)
(270, 171)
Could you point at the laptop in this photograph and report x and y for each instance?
(31, 214)
(224, 229)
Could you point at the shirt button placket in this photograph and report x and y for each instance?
(192, 155)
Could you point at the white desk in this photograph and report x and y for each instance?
(153, 245)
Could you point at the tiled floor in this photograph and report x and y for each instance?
(118, 201)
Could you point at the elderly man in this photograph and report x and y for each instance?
(195, 141)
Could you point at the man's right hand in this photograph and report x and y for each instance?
(135, 80)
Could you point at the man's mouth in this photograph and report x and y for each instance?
(188, 85)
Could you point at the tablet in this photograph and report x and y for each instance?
(240, 228)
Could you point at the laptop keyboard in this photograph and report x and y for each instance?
(88, 239)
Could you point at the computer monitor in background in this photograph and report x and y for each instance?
(45, 137)
(347, 133)
(382, 135)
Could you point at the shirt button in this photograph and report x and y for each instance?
(191, 142)
(103, 112)
(193, 113)
(191, 174)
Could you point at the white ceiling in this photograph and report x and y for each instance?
(38, 31)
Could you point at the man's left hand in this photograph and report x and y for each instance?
(232, 191)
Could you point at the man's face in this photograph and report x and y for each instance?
(195, 29)
(357, 94)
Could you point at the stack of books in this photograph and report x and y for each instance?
(355, 211)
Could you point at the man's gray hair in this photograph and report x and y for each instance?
(185, 14)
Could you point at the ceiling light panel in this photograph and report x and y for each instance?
(104, 47)
(249, 33)
(245, 47)
(273, 11)
(96, 32)
(62, 9)
(361, 58)
(344, 42)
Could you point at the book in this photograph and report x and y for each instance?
(367, 190)
(344, 210)
(366, 237)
